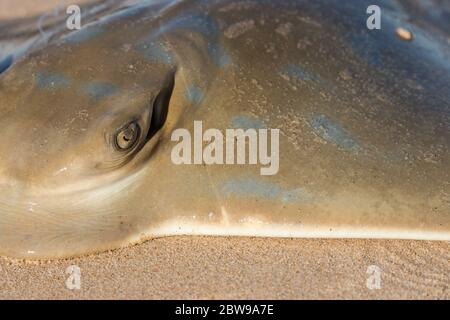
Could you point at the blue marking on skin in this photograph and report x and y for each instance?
(247, 122)
(218, 55)
(83, 35)
(251, 187)
(6, 63)
(156, 51)
(99, 90)
(51, 80)
(298, 72)
(331, 131)
(194, 94)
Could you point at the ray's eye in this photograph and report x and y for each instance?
(128, 136)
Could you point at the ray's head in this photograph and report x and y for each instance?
(72, 120)
(85, 126)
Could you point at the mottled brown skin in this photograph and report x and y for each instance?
(363, 116)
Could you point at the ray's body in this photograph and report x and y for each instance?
(363, 118)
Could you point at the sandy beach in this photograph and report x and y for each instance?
(241, 268)
(189, 267)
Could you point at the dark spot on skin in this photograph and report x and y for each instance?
(99, 90)
(256, 188)
(247, 122)
(154, 50)
(49, 80)
(331, 131)
(194, 94)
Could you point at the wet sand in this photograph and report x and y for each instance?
(233, 267)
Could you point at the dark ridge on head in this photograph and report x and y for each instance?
(161, 107)
(5, 63)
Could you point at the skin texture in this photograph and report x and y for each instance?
(363, 116)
